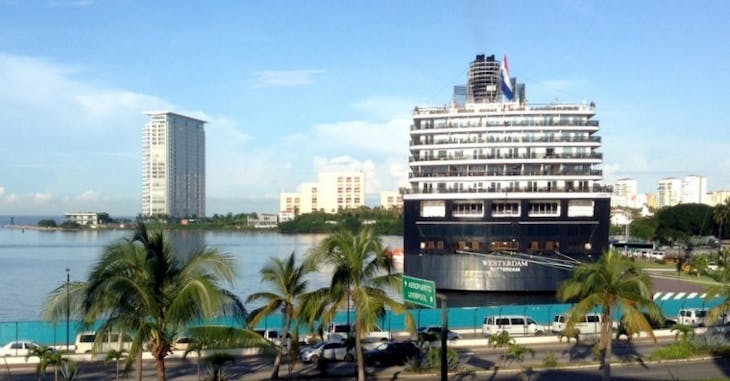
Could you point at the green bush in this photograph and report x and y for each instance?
(550, 360)
(676, 351)
(434, 358)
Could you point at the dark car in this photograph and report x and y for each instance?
(653, 323)
(433, 332)
(391, 353)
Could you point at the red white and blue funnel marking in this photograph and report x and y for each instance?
(507, 89)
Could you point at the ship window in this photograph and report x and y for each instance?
(505, 209)
(467, 209)
(433, 209)
(580, 208)
(544, 208)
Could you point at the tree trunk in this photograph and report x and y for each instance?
(139, 366)
(360, 358)
(282, 343)
(606, 335)
(160, 365)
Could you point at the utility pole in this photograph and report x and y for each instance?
(68, 308)
(444, 336)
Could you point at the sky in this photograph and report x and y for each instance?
(293, 88)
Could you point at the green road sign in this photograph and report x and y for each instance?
(419, 291)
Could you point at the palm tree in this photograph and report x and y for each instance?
(683, 331)
(610, 283)
(502, 339)
(139, 286)
(287, 284)
(719, 289)
(115, 355)
(720, 215)
(361, 274)
(46, 357)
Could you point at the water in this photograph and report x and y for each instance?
(33, 262)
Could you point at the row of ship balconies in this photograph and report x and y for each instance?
(443, 188)
(590, 172)
(560, 122)
(591, 155)
(508, 139)
(506, 108)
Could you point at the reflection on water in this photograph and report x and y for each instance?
(33, 263)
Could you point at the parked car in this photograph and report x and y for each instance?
(692, 316)
(435, 330)
(181, 343)
(514, 325)
(718, 331)
(656, 255)
(663, 322)
(19, 348)
(391, 353)
(327, 351)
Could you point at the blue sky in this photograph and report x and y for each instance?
(291, 88)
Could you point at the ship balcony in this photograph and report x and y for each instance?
(522, 158)
(513, 189)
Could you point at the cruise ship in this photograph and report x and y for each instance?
(504, 196)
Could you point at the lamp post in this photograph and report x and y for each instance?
(68, 307)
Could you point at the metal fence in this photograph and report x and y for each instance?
(463, 318)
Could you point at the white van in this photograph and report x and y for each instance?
(589, 323)
(85, 342)
(339, 331)
(692, 316)
(270, 334)
(515, 325)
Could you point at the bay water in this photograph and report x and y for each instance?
(34, 262)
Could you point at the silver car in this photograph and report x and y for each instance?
(18, 348)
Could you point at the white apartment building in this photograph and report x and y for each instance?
(694, 190)
(625, 193)
(290, 203)
(390, 199)
(334, 191)
(668, 192)
(92, 219)
(717, 197)
(173, 165)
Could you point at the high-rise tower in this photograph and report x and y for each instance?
(173, 161)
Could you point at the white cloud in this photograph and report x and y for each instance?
(284, 78)
(2, 192)
(71, 3)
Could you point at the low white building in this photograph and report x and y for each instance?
(92, 219)
(264, 221)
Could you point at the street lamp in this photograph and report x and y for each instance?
(68, 307)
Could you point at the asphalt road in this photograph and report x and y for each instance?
(576, 361)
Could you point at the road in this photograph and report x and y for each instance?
(486, 363)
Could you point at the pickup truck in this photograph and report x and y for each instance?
(337, 331)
